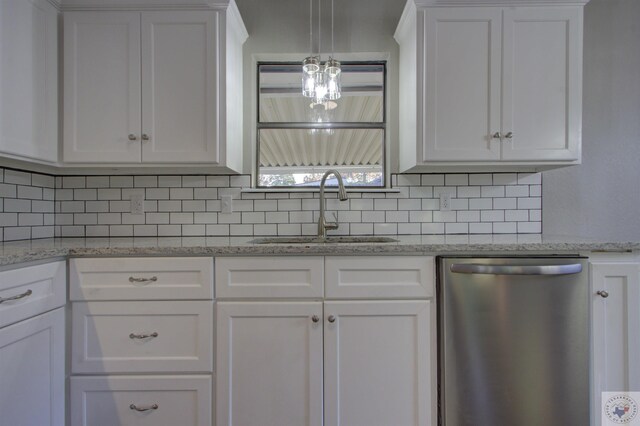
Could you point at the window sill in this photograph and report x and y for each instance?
(316, 189)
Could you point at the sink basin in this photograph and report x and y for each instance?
(318, 240)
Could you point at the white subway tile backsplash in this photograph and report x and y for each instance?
(529, 203)
(504, 228)
(432, 180)
(432, 228)
(190, 205)
(97, 182)
(17, 177)
(120, 182)
(504, 203)
(492, 216)
(456, 179)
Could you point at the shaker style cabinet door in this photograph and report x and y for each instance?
(616, 320)
(542, 83)
(461, 84)
(179, 75)
(378, 363)
(32, 371)
(102, 106)
(269, 364)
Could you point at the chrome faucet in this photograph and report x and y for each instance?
(323, 225)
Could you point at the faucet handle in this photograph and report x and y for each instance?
(335, 217)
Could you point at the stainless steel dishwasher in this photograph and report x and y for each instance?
(513, 336)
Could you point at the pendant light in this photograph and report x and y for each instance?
(320, 82)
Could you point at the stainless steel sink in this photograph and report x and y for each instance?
(326, 240)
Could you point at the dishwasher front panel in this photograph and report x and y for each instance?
(513, 342)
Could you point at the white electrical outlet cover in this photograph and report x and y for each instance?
(137, 204)
(227, 204)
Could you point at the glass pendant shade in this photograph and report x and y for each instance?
(311, 64)
(308, 85)
(321, 87)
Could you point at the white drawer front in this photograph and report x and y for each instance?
(269, 277)
(168, 401)
(146, 278)
(380, 277)
(29, 291)
(108, 337)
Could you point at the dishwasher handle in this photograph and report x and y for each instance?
(475, 268)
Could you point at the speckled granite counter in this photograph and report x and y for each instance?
(33, 250)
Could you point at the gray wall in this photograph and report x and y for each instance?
(601, 197)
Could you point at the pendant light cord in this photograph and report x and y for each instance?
(319, 28)
(310, 27)
(332, 46)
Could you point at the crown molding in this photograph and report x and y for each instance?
(68, 5)
(466, 3)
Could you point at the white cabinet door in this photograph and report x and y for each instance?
(542, 83)
(29, 79)
(32, 373)
(378, 363)
(269, 364)
(461, 84)
(102, 104)
(179, 76)
(616, 321)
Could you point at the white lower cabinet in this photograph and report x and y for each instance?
(125, 323)
(141, 401)
(32, 371)
(615, 285)
(329, 363)
(32, 345)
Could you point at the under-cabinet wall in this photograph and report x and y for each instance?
(190, 205)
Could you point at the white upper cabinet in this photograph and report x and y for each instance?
(29, 80)
(486, 87)
(150, 87)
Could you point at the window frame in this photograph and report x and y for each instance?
(382, 125)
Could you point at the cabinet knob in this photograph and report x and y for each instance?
(496, 135)
(509, 135)
(315, 318)
(145, 137)
(602, 293)
(133, 137)
(331, 319)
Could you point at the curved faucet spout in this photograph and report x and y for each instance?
(342, 196)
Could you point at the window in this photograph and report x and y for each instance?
(298, 141)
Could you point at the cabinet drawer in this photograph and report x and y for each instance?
(380, 277)
(168, 401)
(269, 277)
(147, 278)
(32, 290)
(109, 337)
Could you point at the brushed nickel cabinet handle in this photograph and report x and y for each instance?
(315, 318)
(142, 280)
(602, 293)
(143, 335)
(19, 296)
(151, 407)
(509, 135)
(331, 319)
(133, 137)
(496, 135)
(145, 137)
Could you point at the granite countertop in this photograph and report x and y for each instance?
(33, 250)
